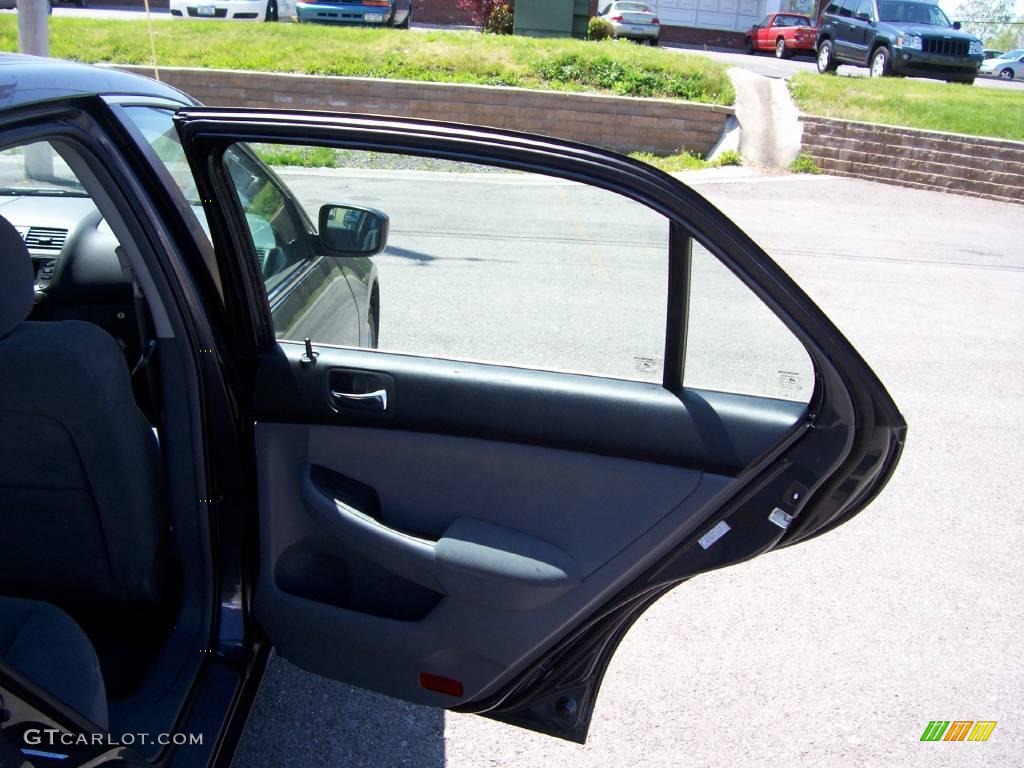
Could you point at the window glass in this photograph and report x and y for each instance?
(480, 263)
(845, 8)
(37, 170)
(735, 343)
(863, 9)
(158, 127)
(912, 13)
(279, 231)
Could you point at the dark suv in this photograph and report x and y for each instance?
(897, 37)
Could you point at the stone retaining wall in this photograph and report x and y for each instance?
(950, 162)
(618, 123)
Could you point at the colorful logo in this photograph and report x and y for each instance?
(958, 730)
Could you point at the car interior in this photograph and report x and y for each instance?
(90, 572)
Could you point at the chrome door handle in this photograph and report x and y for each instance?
(371, 401)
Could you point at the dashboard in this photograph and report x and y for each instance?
(78, 273)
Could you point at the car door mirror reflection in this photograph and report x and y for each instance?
(349, 230)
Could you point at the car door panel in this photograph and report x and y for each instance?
(544, 530)
(485, 535)
(486, 613)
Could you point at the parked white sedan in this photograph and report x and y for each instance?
(251, 10)
(635, 21)
(1007, 66)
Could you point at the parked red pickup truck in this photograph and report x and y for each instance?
(784, 33)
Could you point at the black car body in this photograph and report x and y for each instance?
(269, 534)
(897, 37)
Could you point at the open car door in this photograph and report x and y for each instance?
(481, 536)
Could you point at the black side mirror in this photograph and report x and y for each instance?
(862, 17)
(348, 230)
(956, 25)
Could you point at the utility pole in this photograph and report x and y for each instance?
(34, 38)
(33, 32)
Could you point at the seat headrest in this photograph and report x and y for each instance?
(17, 278)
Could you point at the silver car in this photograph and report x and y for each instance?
(1007, 66)
(635, 21)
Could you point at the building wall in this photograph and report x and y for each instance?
(439, 12)
(726, 15)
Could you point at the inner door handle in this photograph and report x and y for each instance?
(370, 401)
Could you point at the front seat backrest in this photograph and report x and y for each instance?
(81, 505)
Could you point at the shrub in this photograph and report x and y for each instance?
(804, 163)
(730, 157)
(480, 10)
(598, 29)
(500, 20)
(624, 78)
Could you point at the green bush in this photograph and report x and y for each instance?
(730, 157)
(598, 29)
(500, 20)
(638, 79)
(804, 163)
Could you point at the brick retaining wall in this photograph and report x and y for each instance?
(614, 122)
(950, 162)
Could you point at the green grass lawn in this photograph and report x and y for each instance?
(916, 103)
(460, 57)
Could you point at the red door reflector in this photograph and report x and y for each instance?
(440, 684)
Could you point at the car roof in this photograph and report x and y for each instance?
(35, 79)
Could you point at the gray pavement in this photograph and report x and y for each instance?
(833, 653)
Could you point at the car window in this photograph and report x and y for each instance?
(765, 21)
(791, 21)
(912, 13)
(734, 343)
(846, 8)
(36, 170)
(280, 233)
(158, 128)
(632, 7)
(515, 268)
(863, 9)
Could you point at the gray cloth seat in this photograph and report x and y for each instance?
(80, 475)
(44, 645)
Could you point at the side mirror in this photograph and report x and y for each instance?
(348, 230)
(956, 25)
(862, 17)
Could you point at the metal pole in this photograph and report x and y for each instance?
(33, 32)
(34, 39)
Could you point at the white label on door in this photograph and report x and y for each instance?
(714, 535)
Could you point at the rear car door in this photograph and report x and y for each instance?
(845, 31)
(862, 33)
(480, 536)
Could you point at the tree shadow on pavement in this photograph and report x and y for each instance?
(300, 719)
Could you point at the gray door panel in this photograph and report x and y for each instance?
(479, 606)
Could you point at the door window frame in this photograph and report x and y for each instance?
(207, 132)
